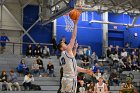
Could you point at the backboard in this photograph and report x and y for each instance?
(52, 9)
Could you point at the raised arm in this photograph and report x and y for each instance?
(74, 34)
(87, 71)
(75, 48)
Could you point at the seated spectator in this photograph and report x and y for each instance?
(135, 64)
(128, 63)
(13, 81)
(41, 66)
(134, 52)
(95, 68)
(37, 51)
(105, 76)
(123, 54)
(116, 51)
(82, 88)
(114, 80)
(80, 53)
(45, 52)
(91, 88)
(139, 58)
(109, 52)
(4, 81)
(88, 52)
(35, 68)
(50, 69)
(85, 61)
(22, 68)
(102, 68)
(98, 74)
(27, 81)
(29, 51)
(94, 58)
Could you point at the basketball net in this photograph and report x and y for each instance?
(69, 23)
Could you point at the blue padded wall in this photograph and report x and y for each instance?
(40, 33)
(88, 34)
(127, 34)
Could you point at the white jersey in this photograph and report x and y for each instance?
(100, 89)
(69, 65)
(69, 80)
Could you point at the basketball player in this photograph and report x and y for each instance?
(100, 87)
(128, 87)
(70, 68)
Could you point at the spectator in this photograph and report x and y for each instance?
(94, 58)
(85, 61)
(114, 78)
(127, 45)
(105, 76)
(37, 51)
(41, 66)
(45, 52)
(128, 63)
(29, 51)
(134, 52)
(22, 68)
(53, 41)
(135, 64)
(80, 53)
(102, 68)
(50, 69)
(3, 40)
(63, 40)
(27, 81)
(91, 88)
(96, 67)
(139, 58)
(13, 81)
(35, 68)
(116, 51)
(109, 52)
(98, 74)
(123, 54)
(4, 79)
(88, 52)
(82, 88)
(101, 87)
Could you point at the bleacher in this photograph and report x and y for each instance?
(47, 84)
(51, 84)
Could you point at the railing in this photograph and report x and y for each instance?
(20, 48)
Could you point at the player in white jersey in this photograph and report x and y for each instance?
(101, 87)
(70, 68)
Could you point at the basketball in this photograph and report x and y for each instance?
(74, 14)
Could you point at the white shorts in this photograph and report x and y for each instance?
(69, 85)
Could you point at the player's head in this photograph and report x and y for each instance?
(62, 46)
(100, 79)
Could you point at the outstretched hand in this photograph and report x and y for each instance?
(76, 44)
(89, 72)
(75, 22)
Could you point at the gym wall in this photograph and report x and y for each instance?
(122, 34)
(10, 27)
(40, 33)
